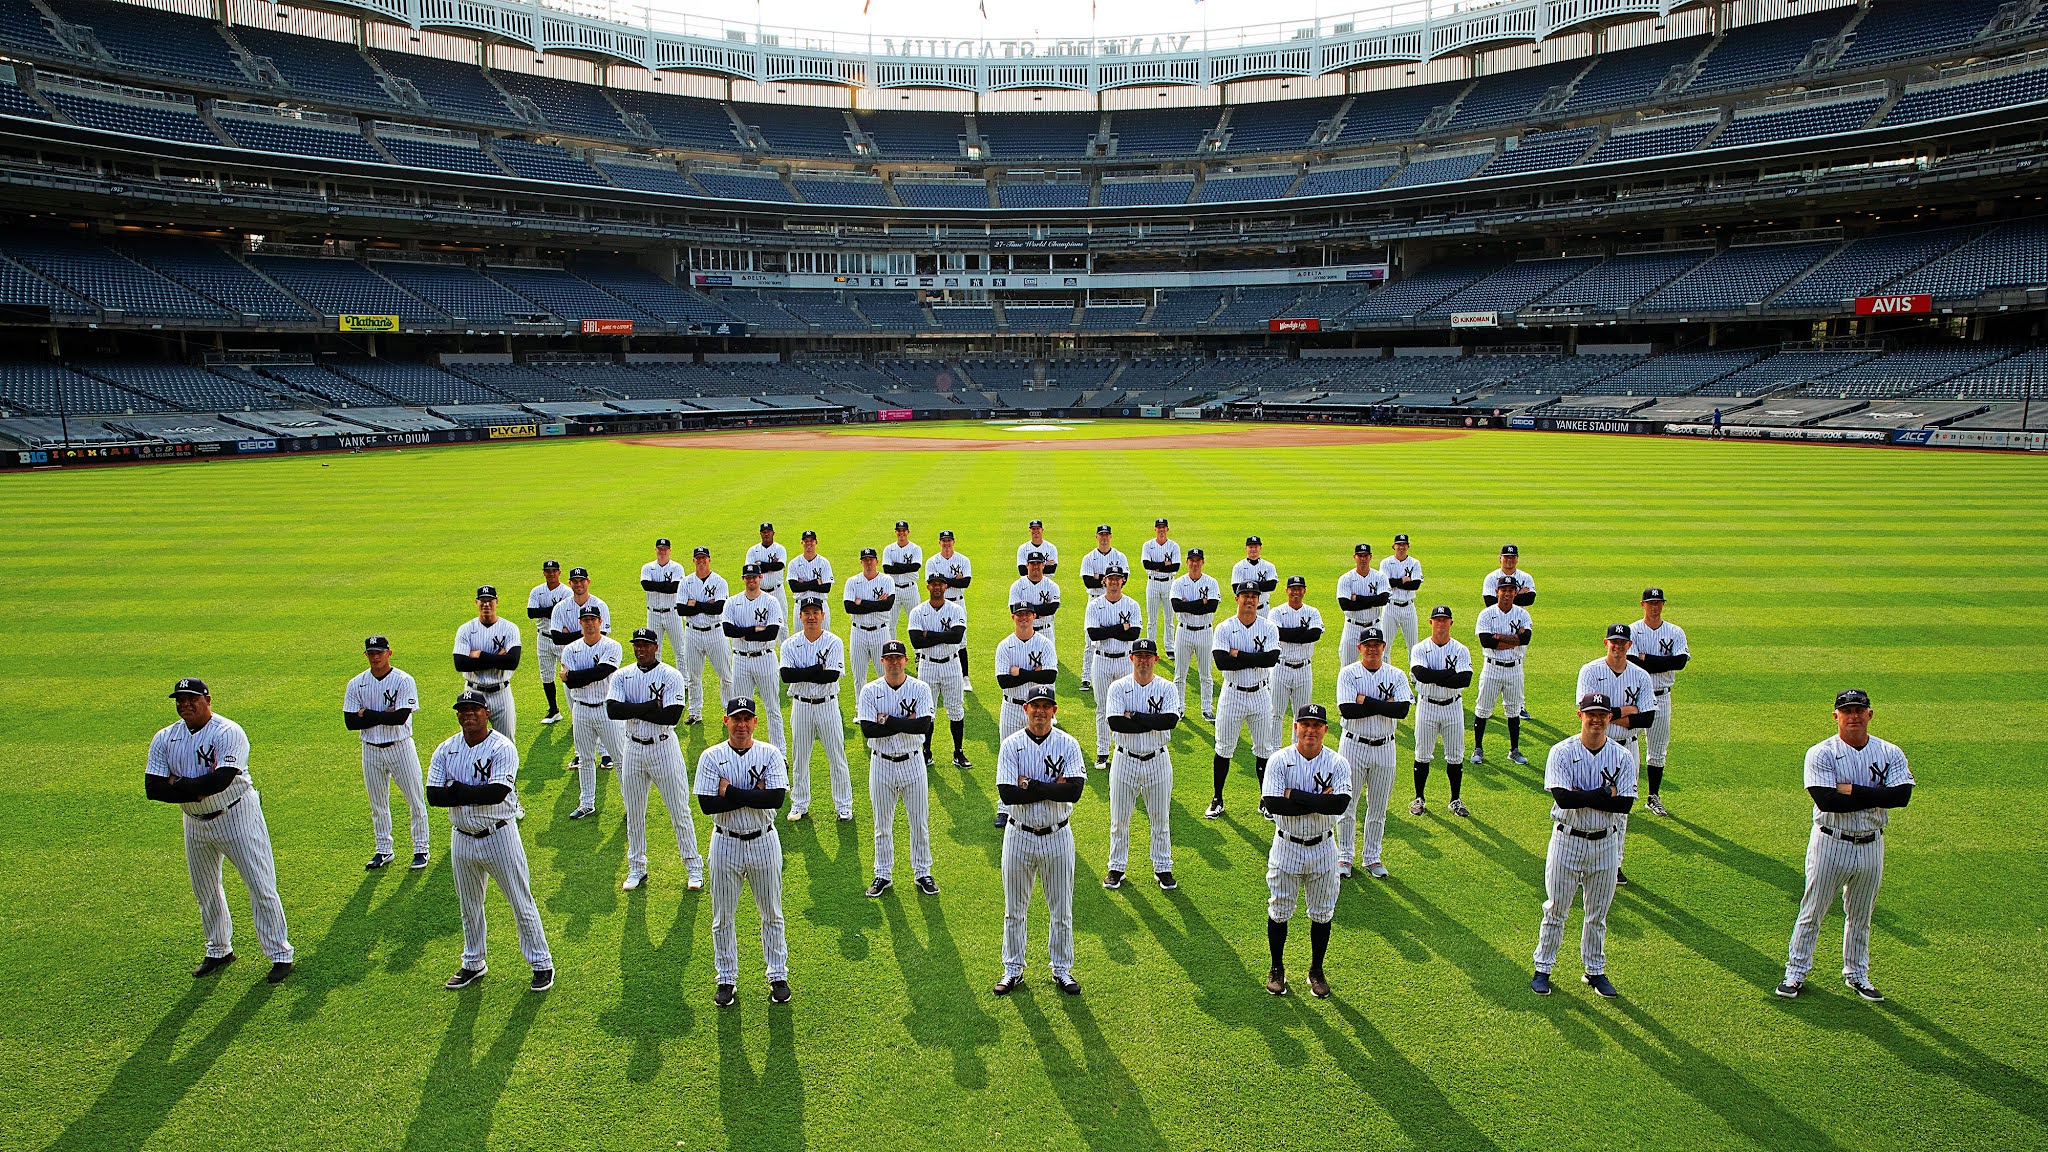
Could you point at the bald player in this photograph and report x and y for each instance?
(587, 668)
(1307, 787)
(1094, 563)
(1114, 622)
(377, 706)
(472, 774)
(1629, 690)
(1025, 658)
(1855, 780)
(1040, 773)
(661, 578)
(870, 607)
(811, 575)
(1144, 708)
(1195, 598)
(773, 561)
(938, 631)
(648, 696)
(1404, 581)
(1657, 646)
(703, 594)
(753, 621)
(540, 608)
(1372, 697)
(1503, 631)
(813, 661)
(1442, 668)
(895, 715)
(741, 783)
(1300, 625)
(1592, 785)
(1039, 544)
(901, 562)
(1255, 569)
(1246, 648)
(1160, 557)
(959, 573)
(1362, 594)
(487, 653)
(201, 764)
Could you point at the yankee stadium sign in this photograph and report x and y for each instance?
(972, 49)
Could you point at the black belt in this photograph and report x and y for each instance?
(1369, 743)
(485, 832)
(898, 759)
(1162, 579)
(1242, 688)
(487, 687)
(203, 817)
(819, 700)
(1600, 835)
(1504, 663)
(742, 837)
(1123, 655)
(369, 744)
(750, 655)
(656, 740)
(876, 628)
(1040, 831)
(1291, 664)
(652, 608)
(1139, 755)
(1194, 627)
(1400, 603)
(1844, 837)
(1439, 703)
(1309, 843)
(694, 628)
(1660, 691)
(587, 704)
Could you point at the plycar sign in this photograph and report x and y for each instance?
(1303, 324)
(1893, 305)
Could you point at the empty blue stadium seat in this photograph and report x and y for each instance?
(649, 293)
(22, 26)
(1337, 181)
(1617, 283)
(457, 152)
(1736, 278)
(2013, 255)
(47, 389)
(1896, 29)
(1278, 125)
(1794, 123)
(1513, 94)
(457, 91)
(1427, 169)
(21, 288)
(914, 135)
(315, 67)
(1770, 50)
(647, 178)
(943, 193)
(684, 120)
(1043, 194)
(1125, 193)
(1509, 288)
(852, 190)
(339, 287)
(1634, 145)
(207, 270)
(1622, 78)
(572, 107)
(1542, 152)
(1394, 113)
(298, 138)
(1237, 189)
(892, 311)
(1015, 135)
(797, 130)
(538, 161)
(766, 187)
(107, 278)
(565, 295)
(1959, 98)
(13, 102)
(1412, 295)
(462, 292)
(154, 40)
(113, 114)
(1866, 265)
(1161, 131)
(413, 383)
(185, 386)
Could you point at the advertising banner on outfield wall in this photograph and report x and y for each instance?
(1987, 438)
(1299, 324)
(1808, 435)
(514, 431)
(893, 414)
(1475, 319)
(607, 327)
(353, 323)
(1893, 305)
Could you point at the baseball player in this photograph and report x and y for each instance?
(811, 575)
(1657, 646)
(1525, 593)
(587, 667)
(1160, 558)
(740, 784)
(662, 578)
(1304, 792)
(1144, 709)
(1372, 697)
(1442, 668)
(1300, 625)
(870, 609)
(1040, 773)
(1503, 630)
(648, 695)
(1041, 592)
(1195, 598)
(1629, 690)
(937, 631)
(959, 573)
(1855, 779)
(1094, 563)
(754, 622)
(704, 593)
(895, 715)
(377, 706)
(201, 764)
(1362, 594)
(1039, 544)
(487, 653)
(1114, 620)
(565, 625)
(901, 562)
(1592, 785)
(1404, 580)
(1258, 571)
(472, 775)
(772, 559)
(813, 660)
(1025, 658)
(540, 608)
(1246, 647)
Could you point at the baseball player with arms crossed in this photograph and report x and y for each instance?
(1404, 580)
(565, 625)
(1114, 621)
(1195, 598)
(740, 784)
(1143, 711)
(1628, 689)
(1041, 592)
(811, 575)
(1503, 630)
(201, 764)
(1025, 658)
(1362, 594)
(661, 578)
(870, 609)
(1372, 697)
(772, 559)
(901, 562)
(1525, 595)
(487, 653)
(1304, 794)
(703, 610)
(1246, 648)
(959, 573)
(1855, 779)
(1040, 773)
(813, 660)
(587, 667)
(1442, 668)
(540, 608)
(472, 775)
(1039, 544)
(1300, 625)
(938, 630)
(648, 696)
(754, 621)
(1161, 559)
(1258, 571)
(895, 715)
(1592, 785)
(1657, 646)
(1094, 563)
(378, 706)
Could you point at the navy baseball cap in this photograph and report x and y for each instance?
(551, 565)
(1297, 582)
(1311, 714)
(1102, 529)
(700, 550)
(1440, 612)
(1245, 586)
(1618, 632)
(767, 527)
(377, 644)
(945, 534)
(1507, 584)
(937, 577)
(189, 686)
(1400, 537)
(1037, 692)
(747, 570)
(1847, 698)
(589, 612)
(1361, 549)
(867, 553)
(1116, 570)
(1371, 636)
(1159, 523)
(894, 648)
(470, 699)
(1595, 702)
(740, 706)
(809, 535)
(1653, 595)
(486, 592)
(1145, 647)
(810, 602)
(579, 573)
(902, 525)
(661, 542)
(1510, 550)
(1024, 608)
(1251, 540)
(646, 636)
(1034, 557)
(1036, 524)
(1197, 553)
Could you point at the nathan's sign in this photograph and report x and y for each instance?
(1893, 305)
(369, 323)
(1301, 324)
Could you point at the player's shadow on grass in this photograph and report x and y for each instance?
(157, 1076)
(1936, 1052)
(837, 880)
(762, 1109)
(1225, 990)
(462, 1088)
(1097, 912)
(945, 1010)
(1408, 830)
(586, 861)
(654, 1004)
(1101, 1099)
(969, 807)
(1403, 1090)
(1497, 846)
(421, 908)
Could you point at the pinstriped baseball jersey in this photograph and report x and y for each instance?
(663, 573)
(1392, 569)
(661, 684)
(545, 599)
(765, 554)
(1033, 655)
(1155, 552)
(498, 638)
(1024, 591)
(1187, 587)
(955, 568)
(1123, 612)
(1386, 683)
(827, 651)
(1306, 616)
(1160, 697)
(582, 657)
(1878, 764)
(760, 765)
(763, 611)
(1667, 639)
(1574, 766)
(1095, 562)
(1289, 770)
(1631, 685)
(702, 589)
(492, 760)
(1492, 622)
(180, 753)
(1045, 548)
(1261, 569)
(909, 700)
(367, 693)
(1447, 657)
(1351, 585)
(1024, 757)
(925, 618)
(565, 618)
(1234, 635)
(812, 570)
(1495, 578)
(860, 587)
(901, 554)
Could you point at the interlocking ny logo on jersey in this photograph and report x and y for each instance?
(483, 769)
(498, 645)
(1055, 767)
(1879, 772)
(1386, 690)
(390, 698)
(761, 615)
(1610, 777)
(1155, 703)
(907, 706)
(1632, 695)
(1258, 643)
(205, 757)
(1322, 781)
(1037, 661)
(1665, 647)
(757, 777)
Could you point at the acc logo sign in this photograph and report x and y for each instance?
(1893, 305)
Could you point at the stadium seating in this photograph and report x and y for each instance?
(1278, 125)
(1651, 141)
(943, 193)
(1113, 318)
(1907, 371)
(456, 91)
(1127, 193)
(537, 161)
(1511, 95)
(915, 135)
(1766, 51)
(1899, 29)
(1765, 127)
(153, 40)
(1961, 97)
(448, 152)
(565, 295)
(1540, 151)
(644, 177)
(892, 311)
(1181, 308)
(796, 130)
(758, 312)
(1334, 181)
(1866, 265)
(649, 293)
(821, 310)
(1618, 79)
(412, 383)
(763, 186)
(578, 108)
(316, 381)
(1674, 373)
(516, 381)
(1161, 131)
(217, 276)
(1043, 194)
(1238, 189)
(1248, 307)
(1421, 290)
(681, 120)
(1393, 113)
(463, 293)
(338, 287)
(2011, 255)
(112, 112)
(322, 69)
(1784, 370)
(1508, 289)
(47, 389)
(1617, 283)
(964, 317)
(22, 26)
(841, 190)
(337, 141)
(13, 102)
(1430, 169)
(1562, 375)
(1736, 278)
(108, 279)
(1030, 318)
(2024, 374)
(21, 288)
(1052, 135)
(181, 385)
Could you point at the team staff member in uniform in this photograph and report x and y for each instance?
(587, 667)
(1144, 709)
(201, 764)
(1025, 658)
(1300, 625)
(740, 784)
(900, 562)
(1246, 647)
(1372, 697)
(540, 608)
(1525, 593)
(1657, 646)
(704, 594)
(1404, 580)
(1362, 594)
(1304, 794)
(1041, 592)
(813, 660)
(1038, 543)
(870, 609)
(1040, 773)
(1503, 630)
(1257, 571)
(1628, 688)
(1094, 563)
(487, 653)
(959, 573)
(472, 775)
(1114, 621)
(564, 626)
(647, 695)
(772, 559)
(1442, 668)
(811, 575)
(938, 630)
(753, 621)
(895, 715)
(1592, 785)
(378, 706)
(1855, 780)
(1160, 557)
(1195, 598)
(661, 578)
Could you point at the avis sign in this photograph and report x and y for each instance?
(1893, 305)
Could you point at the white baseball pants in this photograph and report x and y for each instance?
(1132, 779)
(1047, 861)
(889, 782)
(397, 763)
(946, 681)
(1104, 671)
(504, 710)
(499, 856)
(758, 864)
(1193, 658)
(548, 653)
(1304, 873)
(864, 651)
(668, 624)
(1372, 782)
(594, 732)
(1250, 711)
(1087, 645)
(240, 835)
(1657, 741)
(1576, 868)
(1440, 721)
(819, 722)
(1398, 620)
(707, 644)
(759, 678)
(1854, 871)
(1159, 613)
(1292, 687)
(657, 765)
(1498, 685)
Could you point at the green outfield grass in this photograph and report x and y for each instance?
(1014, 430)
(1796, 570)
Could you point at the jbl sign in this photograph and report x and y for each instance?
(1893, 305)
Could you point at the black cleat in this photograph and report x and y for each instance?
(778, 991)
(1790, 989)
(1599, 983)
(1620, 878)
(543, 979)
(1317, 986)
(1068, 984)
(279, 971)
(927, 885)
(1215, 811)
(210, 964)
(604, 763)
(1865, 991)
(960, 760)
(463, 978)
(1114, 879)
(377, 860)
(1276, 982)
(1008, 984)
(880, 886)
(1540, 984)
(1166, 881)
(580, 813)
(419, 860)
(724, 996)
